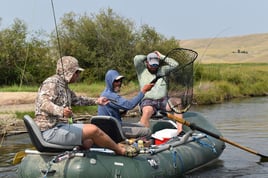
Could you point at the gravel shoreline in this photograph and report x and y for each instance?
(12, 102)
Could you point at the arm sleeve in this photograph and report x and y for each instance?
(170, 64)
(82, 100)
(139, 63)
(128, 104)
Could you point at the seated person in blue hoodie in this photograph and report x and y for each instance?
(118, 104)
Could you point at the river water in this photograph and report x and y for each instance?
(242, 121)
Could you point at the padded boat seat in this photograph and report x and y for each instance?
(159, 124)
(110, 126)
(37, 138)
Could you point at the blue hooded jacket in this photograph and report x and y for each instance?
(117, 102)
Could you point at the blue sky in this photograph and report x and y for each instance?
(182, 19)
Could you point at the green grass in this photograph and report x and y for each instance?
(217, 83)
(92, 89)
(214, 83)
(16, 88)
(95, 89)
(21, 114)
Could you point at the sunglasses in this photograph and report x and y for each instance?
(154, 65)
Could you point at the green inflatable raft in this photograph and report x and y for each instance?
(168, 156)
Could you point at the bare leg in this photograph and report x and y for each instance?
(87, 143)
(101, 139)
(147, 112)
(179, 125)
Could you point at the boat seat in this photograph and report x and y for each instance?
(159, 124)
(38, 140)
(110, 126)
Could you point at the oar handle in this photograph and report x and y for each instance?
(180, 120)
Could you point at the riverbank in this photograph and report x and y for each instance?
(10, 103)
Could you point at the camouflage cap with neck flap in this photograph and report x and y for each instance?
(70, 66)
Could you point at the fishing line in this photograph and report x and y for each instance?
(205, 51)
(211, 41)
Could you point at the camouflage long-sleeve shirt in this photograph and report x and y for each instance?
(53, 95)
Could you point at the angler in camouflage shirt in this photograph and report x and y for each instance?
(53, 110)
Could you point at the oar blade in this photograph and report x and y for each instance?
(18, 157)
(263, 158)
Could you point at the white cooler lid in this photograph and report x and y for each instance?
(165, 133)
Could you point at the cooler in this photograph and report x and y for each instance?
(164, 135)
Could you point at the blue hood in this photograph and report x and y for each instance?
(118, 103)
(110, 76)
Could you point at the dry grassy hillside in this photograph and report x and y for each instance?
(240, 49)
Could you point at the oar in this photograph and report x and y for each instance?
(18, 157)
(195, 127)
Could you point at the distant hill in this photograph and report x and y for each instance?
(240, 49)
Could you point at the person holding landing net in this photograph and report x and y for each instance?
(179, 97)
(155, 68)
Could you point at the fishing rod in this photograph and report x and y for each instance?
(206, 48)
(70, 120)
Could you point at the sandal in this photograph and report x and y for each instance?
(131, 151)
